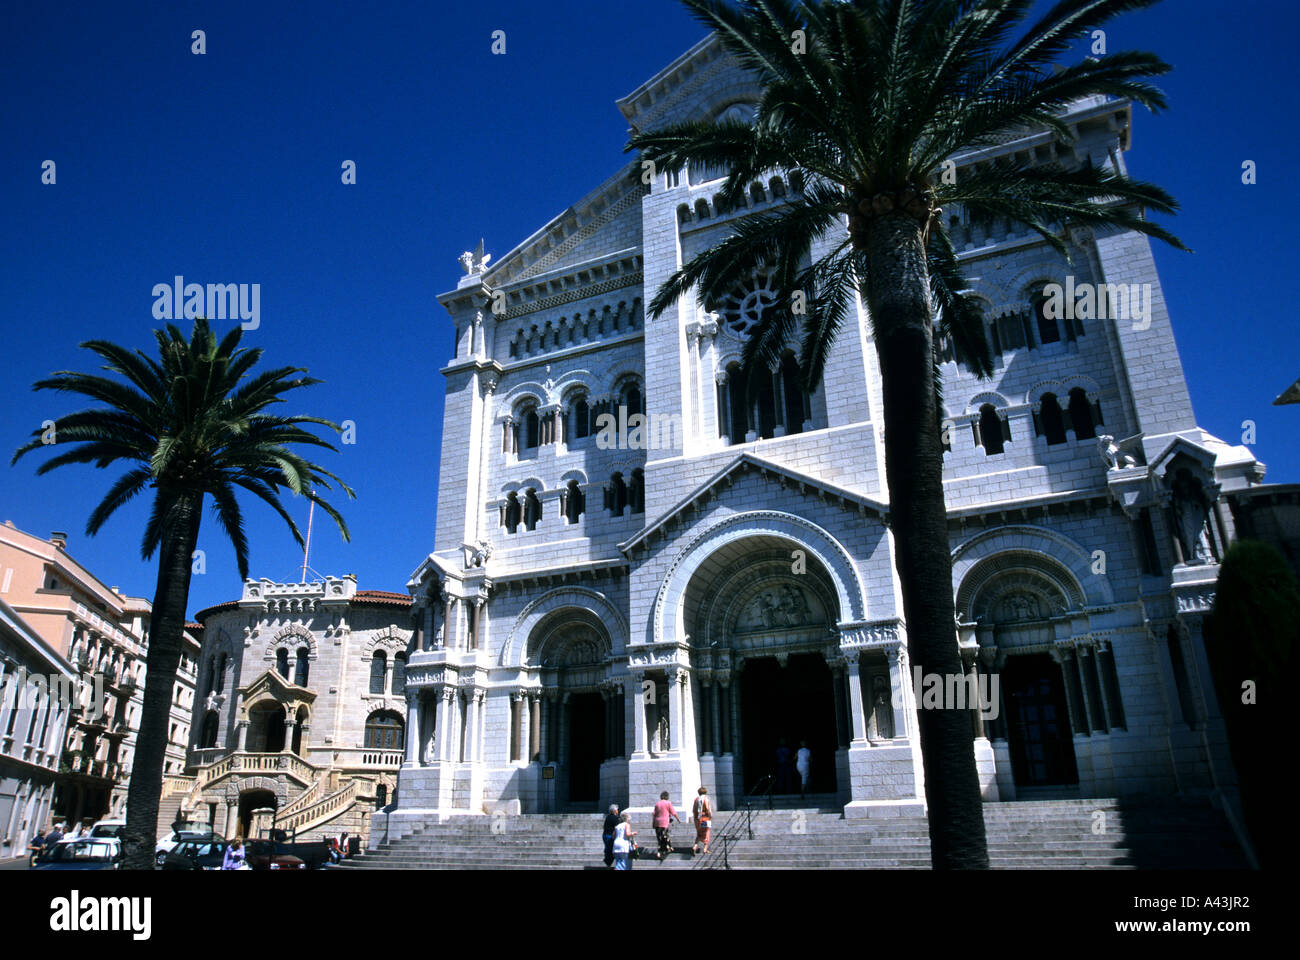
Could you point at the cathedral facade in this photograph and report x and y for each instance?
(642, 581)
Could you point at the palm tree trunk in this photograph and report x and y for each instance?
(897, 293)
(166, 629)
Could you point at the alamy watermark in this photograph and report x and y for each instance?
(215, 301)
(22, 690)
(655, 431)
(1099, 301)
(955, 691)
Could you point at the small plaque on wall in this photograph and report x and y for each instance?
(548, 772)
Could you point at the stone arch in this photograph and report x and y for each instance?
(991, 397)
(1044, 552)
(668, 620)
(579, 475)
(522, 394)
(514, 651)
(250, 784)
(291, 636)
(1034, 394)
(568, 637)
(392, 639)
(1089, 386)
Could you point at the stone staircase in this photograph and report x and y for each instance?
(1049, 834)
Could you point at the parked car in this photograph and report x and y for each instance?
(267, 855)
(188, 831)
(206, 854)
(86, 854)
(110, 829)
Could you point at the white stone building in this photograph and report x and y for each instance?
(299, 709)
(596, 625)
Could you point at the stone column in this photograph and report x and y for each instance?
(857, 715)
(899, 689)
(639, 731)
(534, 727)
(735, 739)
(707, 744)
(473, 705)
(717, 691)
(413, 726)
(972, 680)
(516, 724)
(1078, 717)
(839, 673)
(674, 709)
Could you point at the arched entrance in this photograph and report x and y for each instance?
(570, 728)
(251, 800)
(266, 728)
(1038, 722)
(776, 727)
(761, 634)
(1019, 599)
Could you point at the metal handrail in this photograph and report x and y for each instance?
(727, 833)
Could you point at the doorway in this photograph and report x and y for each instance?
(780, 708)
(586, 746)
(1038, 722)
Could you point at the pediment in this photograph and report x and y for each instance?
(270, 684)
(776, 473)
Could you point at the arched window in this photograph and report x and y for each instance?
(616, 495)
(532, 429)
(636, 494)
(300, 668)
(737, 404)
(399, 674)
(574, 502)
(282, 662)
(632, 400)
(796, 411)
(378, 670)
(384, 731)
(1049, 421)
(580, 418)
(208, 734)
(991, 432)
(1049, 331)
(221, 673)
(1084, 416)
(212, 676)
(532, 509)
(512, 512)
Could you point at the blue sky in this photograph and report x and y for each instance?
(226, 168)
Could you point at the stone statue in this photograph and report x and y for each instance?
(475, 262)
(1110, 452)
(1190, 510)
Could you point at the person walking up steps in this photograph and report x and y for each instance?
(702, 814)
(623, 835)
(803, 763)
(663, 817)
(607, 834)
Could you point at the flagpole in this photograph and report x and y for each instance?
(306, 549)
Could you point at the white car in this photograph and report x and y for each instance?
(188, 831)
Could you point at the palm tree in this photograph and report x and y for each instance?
(193, 425)
(862, 102)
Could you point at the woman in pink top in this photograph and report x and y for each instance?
(664, 815)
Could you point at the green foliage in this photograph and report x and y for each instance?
(887, 92)
(191, 421)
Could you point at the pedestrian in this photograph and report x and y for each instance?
(622, 846)
(784, 768)
(607, 834)
(702, 814)
(343, 844)
(334, 854)
(235, 858)
(34, 848)
(663, 816)
(803, 763)
(53, 837)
